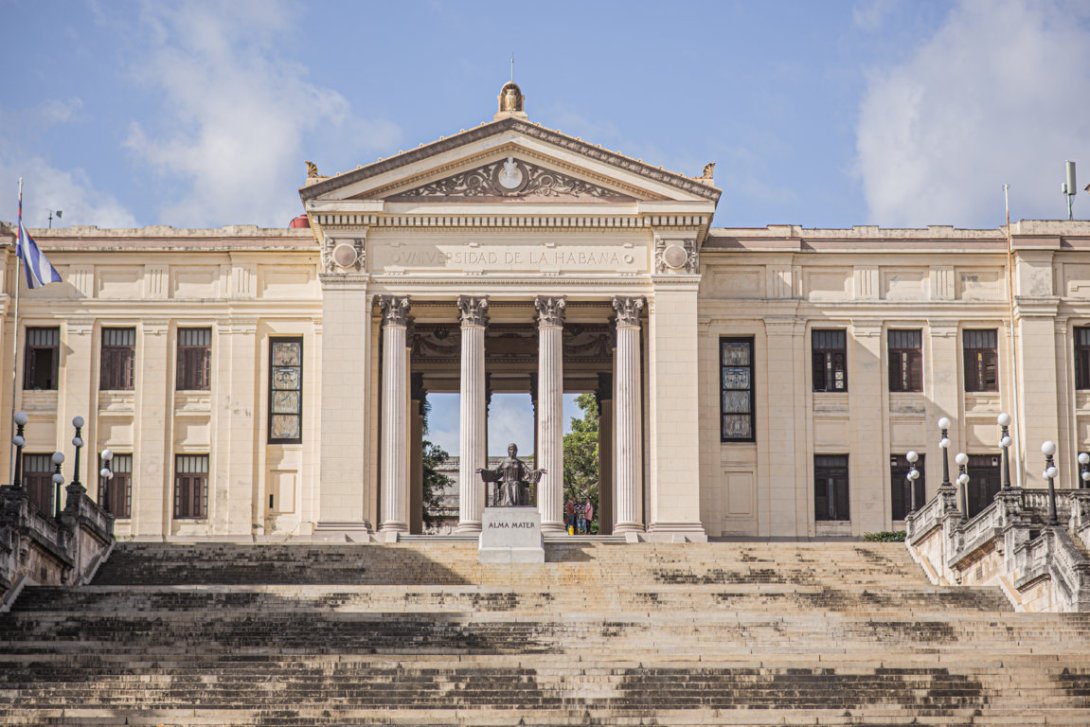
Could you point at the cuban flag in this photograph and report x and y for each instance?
(39, 271)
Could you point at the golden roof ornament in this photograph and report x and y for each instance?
(511, 102)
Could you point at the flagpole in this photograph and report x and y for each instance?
(15, 327)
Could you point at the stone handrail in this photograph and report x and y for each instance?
(37, 549)
(1009, 544)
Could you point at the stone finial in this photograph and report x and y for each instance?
(395, 309)
(511, 102)
(709, 172)
(312, 170)
(474, 310)
(628, 310)
(550, 311)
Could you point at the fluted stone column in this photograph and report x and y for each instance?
(550, 412)
(395, 383)
(472, 437)
(626, 417)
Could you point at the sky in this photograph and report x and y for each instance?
(900, 113)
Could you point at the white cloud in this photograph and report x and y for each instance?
(239, 113)
(870, 15)
(47, 186)
(997, 95)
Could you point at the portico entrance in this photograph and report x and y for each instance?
(543, 346)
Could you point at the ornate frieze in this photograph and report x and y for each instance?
(474, 310)
(628, 310)
(512, 177)
(676, 256)
(550, 311)
(395, 309)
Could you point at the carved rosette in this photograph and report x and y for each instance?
(474, 310)
(676, 256)
(395, 309)
(550, 311)
(343, 255)
(628, 310)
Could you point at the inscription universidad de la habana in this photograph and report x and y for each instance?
(530, 258)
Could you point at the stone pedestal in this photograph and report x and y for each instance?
(511, 535)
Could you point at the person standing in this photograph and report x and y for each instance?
(569, 515)
(588, 515)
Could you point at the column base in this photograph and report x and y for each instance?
(394, 527)
(467, 527)
(623, 528)
(676, 533)
(553, 528)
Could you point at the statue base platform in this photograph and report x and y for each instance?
(511, 535)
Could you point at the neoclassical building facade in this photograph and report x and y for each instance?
(268, 384)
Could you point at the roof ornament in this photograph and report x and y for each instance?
(312, 170)
(709, 172)
(511, 100)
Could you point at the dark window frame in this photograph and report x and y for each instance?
(272, 391)
(752, 414)
(1081, 336)
(981, 362)
(905, 360)
(33, 347)
(194, 361)
(119, 489)
(899, 487)
(117, 359)
(191, 488)
(38, 482)
(826, 360)
(984, 481)
(826, 472)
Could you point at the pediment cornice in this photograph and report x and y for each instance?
(528, 130)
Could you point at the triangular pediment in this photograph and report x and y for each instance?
(505, 161)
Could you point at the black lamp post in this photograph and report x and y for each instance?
(1084, 470)
(912, 476)
(962, 460)
(1049, 449)
(58, 481)
(77, 442)
(107, 474)
(944, 443)
(1004, 421)
(19, 440)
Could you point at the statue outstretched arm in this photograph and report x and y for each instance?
(535, 475)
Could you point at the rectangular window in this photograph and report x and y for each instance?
(194, 359)
(905, 360)
(285, 390)
(191, 486)
(115, 495)
(41, 358)
(901, 492)
(38, 481)
(1082, 358)
(983, 481)
(117, 360)
(980, 360)
(830, 360)
(736, 389)
(831, 487)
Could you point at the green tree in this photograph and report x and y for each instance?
(434, 480)
(581, 454)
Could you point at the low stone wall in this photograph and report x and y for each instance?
(36, 549)
(1009, 545)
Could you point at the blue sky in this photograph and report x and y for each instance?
(824, 114)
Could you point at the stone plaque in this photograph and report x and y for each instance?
(511, 535)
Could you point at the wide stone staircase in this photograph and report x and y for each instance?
(842, 633)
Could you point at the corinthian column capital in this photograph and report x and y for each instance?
(628, 310)
(395, 309)
(550, 311)
(474, 310)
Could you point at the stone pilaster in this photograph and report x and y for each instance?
(473, 437)
(605, 454)
(550, 412)
(628, 463)
(395, 382)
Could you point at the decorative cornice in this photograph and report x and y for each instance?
(550, 310)
(628, 310)
(395, 309)
(579, 221)
(474, 310)
(511, 177)
(525, 128)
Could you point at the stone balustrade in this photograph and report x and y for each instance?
(1008, 544)
(37, 549)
